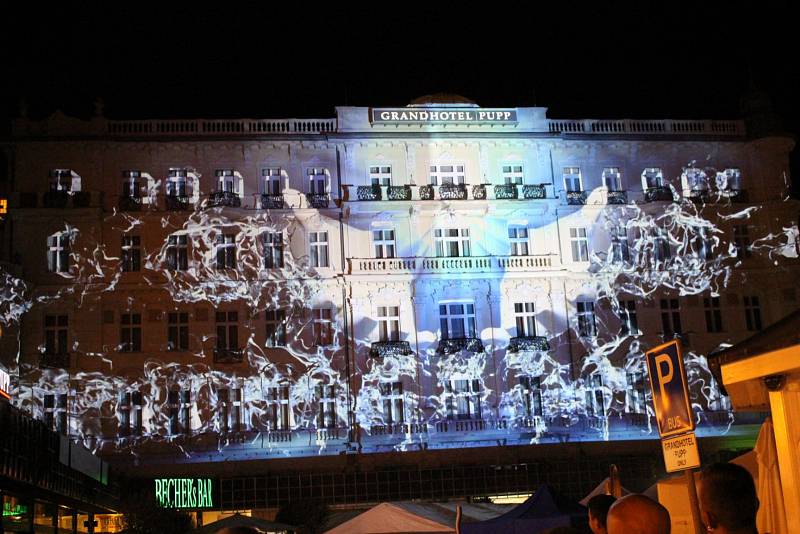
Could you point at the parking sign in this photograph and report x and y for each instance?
(670, 391)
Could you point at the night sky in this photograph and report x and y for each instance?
(582, 61)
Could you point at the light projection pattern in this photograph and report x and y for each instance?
(679, 247)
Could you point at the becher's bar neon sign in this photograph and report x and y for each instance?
(185, 492)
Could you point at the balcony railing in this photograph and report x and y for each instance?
(398, 428)
(470, 425)
(479, 192)
(534, 191)
(532, 343)
(398, 192)
(617, 197)
(176, 202)
(457, 344)
(55, 199)
(228, 355)
(698, 195)
(271, 202)
(426, 192)
(227, 199)
(453, 192)
(368, 192)
(381, 349)
(506, 192)
(318, 200)
(576, 198)
(59, 360)
(658, 194)
(476, 264)
(130, 203)
(734, 195)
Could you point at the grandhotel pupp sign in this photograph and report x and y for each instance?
(438, 116)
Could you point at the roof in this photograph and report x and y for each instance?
(439, 99)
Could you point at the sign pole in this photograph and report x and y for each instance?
(693, 502)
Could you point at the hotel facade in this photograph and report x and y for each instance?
(434, 276)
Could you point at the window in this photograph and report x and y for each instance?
(380, 175)
(635, 397)
(457, 320)
(620, 251)
(58, 252)
(278, 407)
(177, 331)
(580, 244)
(713, 314)
(388, 323)
(595, 396)
(227, 330)
(276, 327)
(326, 417)
(131, 253)
(226, 251)
(273, 250)
(518, 237)
(741, 239)
(323, 326)
(55, 334)
(130, 184)
(392, 397)
(224, 409)
(177, 253)
(318, 242)
(55, 412)
(572, 179)
(130, 336)
(752, 313)
(61, 180)
(451, 242)
(512, 174)
(652, 177)
(176, 183)
(703, 245)
(628, 319)
(662, 251)
(447, 174)
(226, 180)
(612, 178)
(729, 180)
(670, 318)
(317, 180)
(179, 403)
(383, 243)
(525, 318)
(272, 181)
(130, 413)
(695, 180)
(587, 327)
(531, 395)
(463, 399)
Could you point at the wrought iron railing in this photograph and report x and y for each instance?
(130, 203)
(734, 195)
(318, 200)
(533, 191)
(658, 194)
(617, 197)
(576, 198)
(453, 192)
(522, 343)
(426, 192)
(228, 355)
(381, 349)
(479, 192)
(698, 195)
(271, 202)
(454, 345)
(81, 199)
(227, 199)
(55, 199)
(398, 192)
(176, 202)
(368, 192)
(506, 191)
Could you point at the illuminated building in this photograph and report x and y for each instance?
(435, 276)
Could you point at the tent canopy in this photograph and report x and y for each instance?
(239, 520)
(600, 489)
(389, 518)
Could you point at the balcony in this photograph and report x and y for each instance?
(228, 355)
(506, 192)
(318, 200)
(534, 191)
(176, 202)
(381, 349)
(368, 192)
(272, 202)
(698, 195)
(55, 199)
(658, 194)
(734, 195)
(617, 197)
(528, 343)
(226, 199)
(130, 203)
(426, 192)
(55, 360)
(479, 192)
(475, 264)
(398, 192)
(470, 425)
(457, 344)
(576, 198)
(453, 192)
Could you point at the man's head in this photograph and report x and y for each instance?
(598, 511)
(728, 498)
(636, 514)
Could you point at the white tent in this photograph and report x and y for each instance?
(771, 513)
(388, 518)
(601, 489)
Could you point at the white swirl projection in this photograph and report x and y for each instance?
(679, 248)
